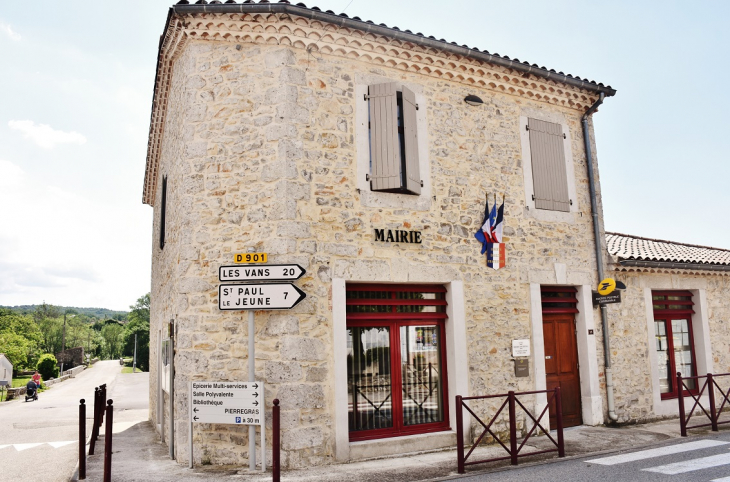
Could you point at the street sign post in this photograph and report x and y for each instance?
(265, 272)
(234, 403)
(274, 296)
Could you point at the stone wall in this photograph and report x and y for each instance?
(261, 151)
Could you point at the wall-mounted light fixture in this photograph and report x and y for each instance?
(473, 100)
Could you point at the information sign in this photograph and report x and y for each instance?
(237, 403)
(267, 272)
(521, 347)
(598, 299)
(274, 296)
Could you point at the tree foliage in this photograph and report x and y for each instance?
(139, 324)
(47, 366)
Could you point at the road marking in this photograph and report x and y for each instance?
(658, 452)
(724, 479)
(691, 465)
(21, 447)
(56, 445)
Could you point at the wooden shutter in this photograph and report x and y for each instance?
(410, 137)
(385, 159)
(549, 177)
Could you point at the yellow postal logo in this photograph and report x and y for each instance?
(606, 286)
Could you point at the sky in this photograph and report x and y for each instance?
(76, 89)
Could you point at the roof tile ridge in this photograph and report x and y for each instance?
(666, 241)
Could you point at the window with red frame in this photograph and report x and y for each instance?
(674, 340)
(396, 360)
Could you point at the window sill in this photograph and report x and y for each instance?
(551, 216)
(385, 447)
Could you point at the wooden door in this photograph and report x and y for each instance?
(561, 366)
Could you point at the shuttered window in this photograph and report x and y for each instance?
(394, 160)
(549, 176)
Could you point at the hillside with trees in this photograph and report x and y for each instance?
(28, 332)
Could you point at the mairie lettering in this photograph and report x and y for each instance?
(398, 236)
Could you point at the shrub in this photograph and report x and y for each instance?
(47, 366)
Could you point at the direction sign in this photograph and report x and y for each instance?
(227, 402)
(274, 296)
(268, 272)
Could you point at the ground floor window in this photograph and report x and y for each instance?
(674, 340)
(396, 360)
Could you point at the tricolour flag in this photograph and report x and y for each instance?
(495, 255)
(484, 233)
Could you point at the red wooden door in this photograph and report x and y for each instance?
(561, 366)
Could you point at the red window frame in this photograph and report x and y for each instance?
(666, 310)
(394, 320)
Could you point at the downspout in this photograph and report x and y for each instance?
(599, 257)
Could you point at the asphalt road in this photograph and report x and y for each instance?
(39, 439)
(697, 459)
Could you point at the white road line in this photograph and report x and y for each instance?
(658, 452)
(724, 479)
(56, 445)
(21, 447)
(690, 465)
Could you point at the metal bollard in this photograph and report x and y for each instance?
(82, 439)
(95, 423)
(102, 388)
(459, 435)
(108, 442)
(276, 442)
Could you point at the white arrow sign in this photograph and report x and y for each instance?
(275, 296)
(261, 272)
(227, 402)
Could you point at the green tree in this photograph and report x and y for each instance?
(16, 348)
(113, 335)
(139, 324)
(47, 366)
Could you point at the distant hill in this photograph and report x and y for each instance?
(101, 313)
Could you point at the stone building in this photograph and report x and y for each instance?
(363, 153)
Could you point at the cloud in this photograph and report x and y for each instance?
(10, 174)
(7, 30)
(44, 135)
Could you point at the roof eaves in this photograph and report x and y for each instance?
(184, 8)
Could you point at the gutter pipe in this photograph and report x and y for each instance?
(599, 257)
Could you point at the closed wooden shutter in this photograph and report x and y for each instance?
(410, 137)
(549, 176)
(385, 158)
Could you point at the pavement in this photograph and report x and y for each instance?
(138, 454)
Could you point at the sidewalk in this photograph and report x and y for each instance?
(138, 455)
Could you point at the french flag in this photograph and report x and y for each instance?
(495, 248)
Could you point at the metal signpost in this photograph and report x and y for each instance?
(238, 402)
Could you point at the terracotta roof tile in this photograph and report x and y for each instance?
(625, 246)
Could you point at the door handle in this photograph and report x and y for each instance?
(548, 357)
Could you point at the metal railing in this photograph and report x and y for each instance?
(511, 401)
(710, 384)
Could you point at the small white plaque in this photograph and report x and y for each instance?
(521, 347)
